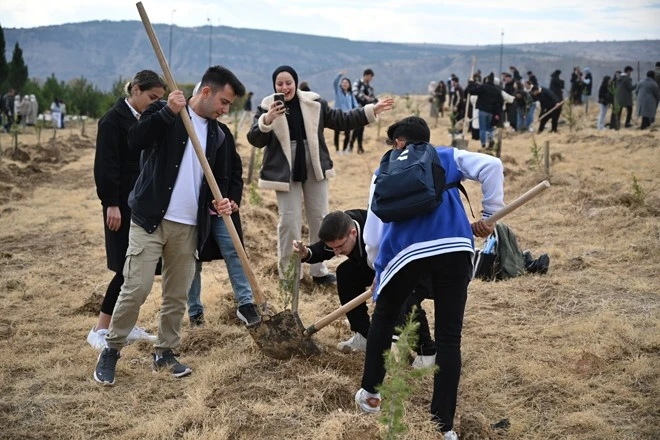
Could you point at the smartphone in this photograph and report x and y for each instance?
(279, 97)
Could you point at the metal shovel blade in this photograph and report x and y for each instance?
(281, 336)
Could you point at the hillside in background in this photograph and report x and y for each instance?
(103, 51)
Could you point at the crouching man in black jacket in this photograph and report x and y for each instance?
(341, 234)
(169, 206)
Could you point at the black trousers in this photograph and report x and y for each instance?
(357, 134)
(352, 281)
(629, 111)
(425, 345)
(553, 116)
(450, 276)
(347, 137)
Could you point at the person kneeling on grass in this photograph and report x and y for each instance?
(341, 234)
(438, 245)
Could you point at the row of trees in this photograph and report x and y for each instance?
(80, 96)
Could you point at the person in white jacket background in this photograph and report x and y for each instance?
(439, 245)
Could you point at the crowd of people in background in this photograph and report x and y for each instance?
(23, 111)
(521, 97)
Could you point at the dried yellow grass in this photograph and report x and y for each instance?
(572, 354)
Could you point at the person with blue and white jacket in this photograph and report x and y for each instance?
(439, 245)
(344, 101)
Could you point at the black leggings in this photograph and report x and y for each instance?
(450, 275)
(112, 293)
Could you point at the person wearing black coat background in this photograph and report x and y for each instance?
(550, 107)
(489, 104)
(116, 169)
(557, 84)
(605, 99)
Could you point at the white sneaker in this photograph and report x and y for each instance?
(367, 402)
(96, 338)
(451, 435)
(423, 362)
(356, 343)
(140, 334)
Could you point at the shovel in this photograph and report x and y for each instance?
(278, 336)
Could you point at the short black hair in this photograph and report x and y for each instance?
(368, 72)
(335, 226)
(413, 128)
(628, 69)
(217, 77)
(650, 74)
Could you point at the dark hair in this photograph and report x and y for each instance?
(529, 72)
(217, 77)
(335, 226)
(490, 79)
(628, 69)
(413, 128)
(606, 80)
(650, 74)
(368, 72)
(535, 89)
(304, 87)
(144, 80)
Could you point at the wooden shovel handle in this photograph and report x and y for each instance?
(318, 325)
(529, 195)
(552, 109)
(208, 173)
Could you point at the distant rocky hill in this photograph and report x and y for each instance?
(102, 51)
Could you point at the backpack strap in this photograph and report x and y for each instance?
(461, 188)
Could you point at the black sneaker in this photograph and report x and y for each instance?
(168, 361)
(248, 314)
(326, 280)
(197, 320)
(104, 373)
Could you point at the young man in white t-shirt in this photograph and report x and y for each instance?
(170, 204)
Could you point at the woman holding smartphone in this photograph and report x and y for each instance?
(296, 162)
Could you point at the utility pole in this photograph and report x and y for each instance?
(210, 39)
(169, 56)
(501, 53)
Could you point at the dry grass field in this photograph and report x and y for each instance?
(574, 354)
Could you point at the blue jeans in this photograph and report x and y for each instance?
(601, 116)
(485, 126)
(525, 121)
(237, 278)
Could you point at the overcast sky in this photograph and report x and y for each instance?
(413, 21)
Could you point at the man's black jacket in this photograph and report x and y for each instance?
(161, 137)
(320, 252)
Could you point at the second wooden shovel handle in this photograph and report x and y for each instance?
(318, 325)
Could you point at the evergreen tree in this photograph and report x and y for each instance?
(3, 60)
(18, 71)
